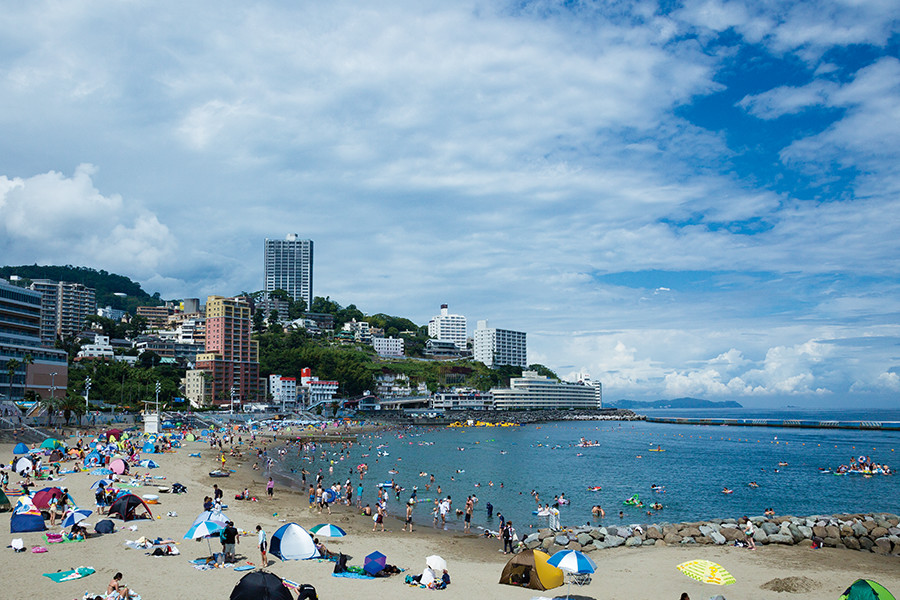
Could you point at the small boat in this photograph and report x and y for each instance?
(219, 473)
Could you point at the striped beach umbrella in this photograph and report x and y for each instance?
(204, 529)
(706, 571)
(76, 516)
(572, 561)
(327, 530)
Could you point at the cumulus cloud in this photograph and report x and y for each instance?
(52, 218)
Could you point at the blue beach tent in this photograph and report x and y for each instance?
(149, 448)
(292, 542)
(24, 522)
(20, 449)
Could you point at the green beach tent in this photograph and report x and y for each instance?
(5, 504)
(866, 589)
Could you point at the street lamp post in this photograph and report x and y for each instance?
(52, 395)
(87, 392)
(232, 399)
(157, 397)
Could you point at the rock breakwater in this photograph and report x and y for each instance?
(874, 532)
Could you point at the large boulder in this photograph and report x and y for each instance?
(819, 531)
(547, 543)
(882, 546)
(561, 540)
(831, 542)
(669, 529)
(653, 533)
(573, 545)
(532, 543)
(732, 534)
(636, 541)
(595, 533)
(614, 541)
(584, 539)
(878, 532)
(859, 529)
(795, 533)
(760, 537)
(770, 528)
(870, 524)
(851, 542)
(719, 539)
(781, 538)
(833, 531)
(865, 543)
(532, 537)
(672, 538)
(688, 540)
(649, 542)
(805, 531)
(693, 532)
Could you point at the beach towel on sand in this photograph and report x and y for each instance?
(70, 575)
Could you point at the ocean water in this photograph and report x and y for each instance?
(503, 466)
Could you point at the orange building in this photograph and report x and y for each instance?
(231, 357)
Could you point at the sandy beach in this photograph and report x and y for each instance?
(474, 563)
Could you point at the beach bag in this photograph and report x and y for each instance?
(341, 565)
(306, 592)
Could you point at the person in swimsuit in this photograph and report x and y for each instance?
(115, 590)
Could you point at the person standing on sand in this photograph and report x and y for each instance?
(409, 512)
(379, 517)
(470, 506)
(270, 488)
(263, 546)
(508, 533)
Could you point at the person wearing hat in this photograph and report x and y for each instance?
(409, 512)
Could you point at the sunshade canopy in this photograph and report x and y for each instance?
(530, 569)
(292, 542)
(119, 466)
(706, 571)
(572, 561)
(76, 516)
(327, 530)
(216, 516)
(42, 498)
(126, 505)
(203, 529)
(374, 562)
(260, 585)
(866, 589)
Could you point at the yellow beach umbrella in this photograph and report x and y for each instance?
(706, 571)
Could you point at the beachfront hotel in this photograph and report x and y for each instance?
(20, 338)
(289, 267)
(231, 359)
(496, 347)
(536, 392)
(448, 328)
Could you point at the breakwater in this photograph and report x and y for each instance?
(522, 417)
(873, 532)
(789, 423)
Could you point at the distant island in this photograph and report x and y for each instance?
(673, 403)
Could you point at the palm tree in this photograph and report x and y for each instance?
(27, 360)
(49, 403)
(72, 403)
(12, 365)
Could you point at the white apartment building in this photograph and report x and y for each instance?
(196, 388)
(316, 390)
(585, 379)
(388, 346)
(360, 331)
(462, 399)
(289, 267)
(535, 392)
(100, 349)
(191, 331)
(111, 313)
(283, 390)
(64, 308)
(392, 385)
(496, 347)
(448, 328)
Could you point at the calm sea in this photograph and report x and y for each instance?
(503, 466)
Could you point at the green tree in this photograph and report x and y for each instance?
(71, 403)
(137, 326)
(12, 365)
(49, 404)
(259, 322)
(273, 316)
(297, 309)
(544, 371)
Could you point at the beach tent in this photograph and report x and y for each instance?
(114, 433)
(55, 456)
(190, 437)
(119, 466)
(22, 522)
(20, 449)
(529, 569)
(4, 502)
(292, 542)
(148, 464)
(260, 585)
(149, 448)
(126, 505)
(51, 443)
(23, 464)
(42, 498)
(105, 526)
(866, 589)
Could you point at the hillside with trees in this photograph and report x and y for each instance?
(106, 284)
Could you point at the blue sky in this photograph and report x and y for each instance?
(680, 198)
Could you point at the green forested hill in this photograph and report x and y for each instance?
(106, 284)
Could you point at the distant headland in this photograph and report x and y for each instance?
(673, 403)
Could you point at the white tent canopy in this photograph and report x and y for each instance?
(292, 542)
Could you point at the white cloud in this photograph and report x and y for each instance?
(51, 218)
